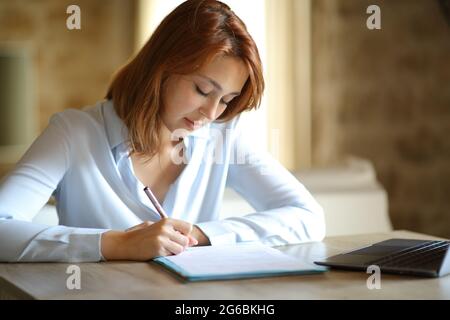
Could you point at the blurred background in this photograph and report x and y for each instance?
(361, 117)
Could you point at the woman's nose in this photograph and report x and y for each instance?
(210, 110)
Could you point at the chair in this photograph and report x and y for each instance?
(353, 200)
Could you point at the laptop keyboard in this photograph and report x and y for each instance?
(424, 256)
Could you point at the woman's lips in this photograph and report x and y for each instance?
(191, 124)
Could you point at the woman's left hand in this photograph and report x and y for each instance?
(200, 236)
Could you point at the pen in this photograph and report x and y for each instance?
(155, 202)
(161, 211)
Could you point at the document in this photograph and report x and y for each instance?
(235, 262)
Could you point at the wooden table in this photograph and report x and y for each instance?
(133, 280)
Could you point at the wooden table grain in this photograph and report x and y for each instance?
(136, 280)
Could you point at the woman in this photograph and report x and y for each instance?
(165, 124)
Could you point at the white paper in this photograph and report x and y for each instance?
(236, 259)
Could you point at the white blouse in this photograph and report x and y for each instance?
(82, 159)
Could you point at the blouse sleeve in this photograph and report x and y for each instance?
(285, 213)
(26, 190)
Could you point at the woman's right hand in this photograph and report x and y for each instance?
(148, 240)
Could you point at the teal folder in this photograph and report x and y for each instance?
(235, 262)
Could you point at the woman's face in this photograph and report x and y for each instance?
(193, 100)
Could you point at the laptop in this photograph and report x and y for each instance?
(423, 258)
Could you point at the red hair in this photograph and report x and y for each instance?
(190, 36)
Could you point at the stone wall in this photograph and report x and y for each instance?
(72, 68)
(385, 95)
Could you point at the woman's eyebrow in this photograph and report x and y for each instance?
(217, 85)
